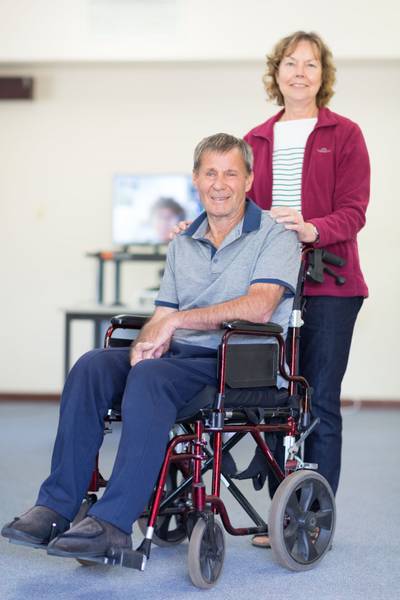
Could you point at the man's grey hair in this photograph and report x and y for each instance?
(222, 143)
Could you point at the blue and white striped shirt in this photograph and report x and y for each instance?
(290, 138)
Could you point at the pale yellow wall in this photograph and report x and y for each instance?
(59, 152)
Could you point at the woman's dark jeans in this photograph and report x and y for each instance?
(324, 351)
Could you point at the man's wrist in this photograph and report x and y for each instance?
(175, 319)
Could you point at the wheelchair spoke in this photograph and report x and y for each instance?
(324, 518)
(206, 568)
(308, 494)
(290, 534)
(206, 555)
(293, 507)
(306, 546)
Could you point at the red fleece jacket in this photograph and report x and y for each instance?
(335, 191)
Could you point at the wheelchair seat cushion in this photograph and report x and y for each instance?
(269, 397)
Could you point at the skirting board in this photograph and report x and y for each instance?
(373, 404)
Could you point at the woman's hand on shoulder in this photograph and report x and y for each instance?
(179, 228)
(293, 220)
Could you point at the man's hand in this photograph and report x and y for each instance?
(179, 228)
(292, 219)
(154, 339)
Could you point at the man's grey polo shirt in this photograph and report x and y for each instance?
(257, 250)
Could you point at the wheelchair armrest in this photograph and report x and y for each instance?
(272, 328)
(128, 321)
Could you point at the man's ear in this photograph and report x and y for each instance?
(249, 181)
(195, 177)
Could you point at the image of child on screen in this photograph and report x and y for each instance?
(166, 213)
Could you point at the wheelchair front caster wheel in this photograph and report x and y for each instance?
(206, 553)
(302, 520)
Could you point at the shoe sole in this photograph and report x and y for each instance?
(24, 539)
(260, 545)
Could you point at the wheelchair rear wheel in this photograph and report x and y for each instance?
(170, 529)
(302, 520)
(206, 553)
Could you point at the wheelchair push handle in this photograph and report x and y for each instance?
(317, 265)
(332, 259)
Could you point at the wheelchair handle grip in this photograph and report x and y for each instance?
(333, 259)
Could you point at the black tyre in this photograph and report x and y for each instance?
(170, 529)
(206, 553)
(302, 520)
(87, 503)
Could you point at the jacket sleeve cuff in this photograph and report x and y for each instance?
(318, 224)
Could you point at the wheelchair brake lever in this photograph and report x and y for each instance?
(293, 450)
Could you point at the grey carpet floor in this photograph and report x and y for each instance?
(364, 562)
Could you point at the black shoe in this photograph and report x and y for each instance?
(91, 537)
(37, 527)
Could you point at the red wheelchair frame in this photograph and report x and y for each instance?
(302, 514)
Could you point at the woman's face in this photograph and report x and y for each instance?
(299, 75)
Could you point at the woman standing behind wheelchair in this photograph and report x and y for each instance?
(312, 171)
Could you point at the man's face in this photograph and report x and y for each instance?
(222, 181)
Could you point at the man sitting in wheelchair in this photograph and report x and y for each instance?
(233, 262)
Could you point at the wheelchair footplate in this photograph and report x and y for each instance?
(132, 559)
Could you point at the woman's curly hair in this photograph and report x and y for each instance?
(285, 46)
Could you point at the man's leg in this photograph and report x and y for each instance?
(95, 382)
(324, 351)
(156, 390)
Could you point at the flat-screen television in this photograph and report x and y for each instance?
(145, 208)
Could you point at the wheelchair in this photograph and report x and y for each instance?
(302, 514)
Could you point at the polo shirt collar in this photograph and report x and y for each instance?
(252, 217)
(251, 221)
(194, 226)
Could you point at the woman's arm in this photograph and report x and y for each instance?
(351, 194)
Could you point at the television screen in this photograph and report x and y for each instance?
(145, 208)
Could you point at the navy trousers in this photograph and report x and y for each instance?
(324, 351)
(152, 393)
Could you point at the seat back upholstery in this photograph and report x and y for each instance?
(251, 365)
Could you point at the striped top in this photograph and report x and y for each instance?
(290, 138)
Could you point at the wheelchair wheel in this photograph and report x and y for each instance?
(206, 553)
(87, 503)
(302, 520)
(170, 529)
